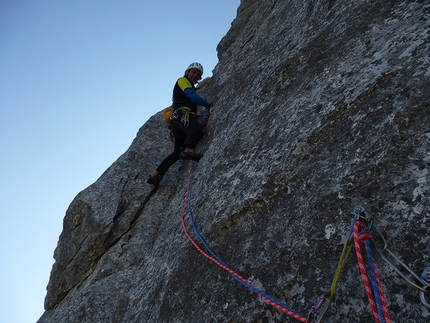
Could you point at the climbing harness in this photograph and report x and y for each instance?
(361, 234)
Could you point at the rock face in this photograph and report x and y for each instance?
(320, 106)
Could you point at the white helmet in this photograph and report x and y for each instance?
(197, 66)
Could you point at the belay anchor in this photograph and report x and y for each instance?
(422, 283)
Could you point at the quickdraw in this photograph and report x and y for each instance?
(329, 297)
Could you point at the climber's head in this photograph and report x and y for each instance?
(194, 72)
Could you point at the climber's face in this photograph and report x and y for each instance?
(193, 75)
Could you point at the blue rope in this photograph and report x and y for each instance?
(194, 225)
(373, 279)
(252, 288)
(374, 283)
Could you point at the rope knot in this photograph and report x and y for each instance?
(365, 235)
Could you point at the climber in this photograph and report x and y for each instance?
(184, 126)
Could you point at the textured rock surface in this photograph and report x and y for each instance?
(320, 106)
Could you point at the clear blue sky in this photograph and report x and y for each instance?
(77, 80)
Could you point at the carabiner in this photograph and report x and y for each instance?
(421, 279)
(425, 276)
(423, 298)
(322, 300)
(361, 214)
(378, 231)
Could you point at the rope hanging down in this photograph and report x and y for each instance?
(373, 288)
(215, 259)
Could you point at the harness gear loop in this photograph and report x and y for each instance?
(185, 115)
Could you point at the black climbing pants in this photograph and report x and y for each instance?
(184, 136)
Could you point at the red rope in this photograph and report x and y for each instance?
(230, 271)
(357, 239)
(381, 295)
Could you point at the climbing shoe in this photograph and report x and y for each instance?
(188, 155)
(154, 179)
